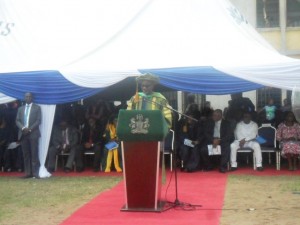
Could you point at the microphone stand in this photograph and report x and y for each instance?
(176, 202)
(165, 106)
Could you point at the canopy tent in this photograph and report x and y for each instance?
(88, 45)
(66, 50)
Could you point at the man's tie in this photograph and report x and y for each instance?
(64, 133)
(64, 136)
(26, 115)
(91, 137)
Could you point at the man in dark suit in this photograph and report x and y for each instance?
(28, 120)
(217, 131)
(92, 140)
(65, 139)
(190, 152)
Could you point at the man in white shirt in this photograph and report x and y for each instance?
(245, 137)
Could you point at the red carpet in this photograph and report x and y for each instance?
(268, 171)
(194, 188)
(199, 188)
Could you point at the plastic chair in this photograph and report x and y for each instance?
(268, 132)
(248, 150)
(62, 155)
(169, 146)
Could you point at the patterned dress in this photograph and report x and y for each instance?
(285, 132)
(154, 101)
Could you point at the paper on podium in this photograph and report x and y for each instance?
(13, 145)
(214, 151)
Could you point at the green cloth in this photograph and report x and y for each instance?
(141, 125)
(153, 101)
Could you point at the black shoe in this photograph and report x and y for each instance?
(7, 170)
(36, 177)
(188, 170)
(79, 169)
(26, 176)
(260, 169)
(222, 170)
(67, 170)
(96, 169)
(207, 169)
(51, 170)
(233, 169)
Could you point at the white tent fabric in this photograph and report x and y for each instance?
(48, 112)
(91, 39)
(283, 75)
(168, 34)
(97, 43)
(5, 99)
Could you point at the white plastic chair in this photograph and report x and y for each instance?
(169, 146)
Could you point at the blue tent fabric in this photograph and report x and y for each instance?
(51, 87)
(48, 87)
(203, 80)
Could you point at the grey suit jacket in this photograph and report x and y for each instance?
(34, 120)
(57, 138)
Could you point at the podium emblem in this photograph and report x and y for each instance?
(139, 124)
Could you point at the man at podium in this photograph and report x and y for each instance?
(142, 128)
(148, 99)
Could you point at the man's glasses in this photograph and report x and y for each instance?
(146, 85)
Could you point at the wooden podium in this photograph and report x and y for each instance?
(141, 133)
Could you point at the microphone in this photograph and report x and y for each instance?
(182, 114)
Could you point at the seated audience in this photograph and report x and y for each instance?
(13, 155)
(217, 131)
(190, 138)
(3, 139)
(112, 153)
(245, 137)
(288, 134)
(65, 140)
(92, 141)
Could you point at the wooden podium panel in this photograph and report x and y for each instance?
(141, 133)
(142, 176)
